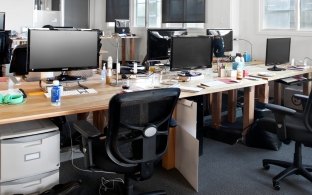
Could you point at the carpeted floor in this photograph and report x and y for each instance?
(223, 169)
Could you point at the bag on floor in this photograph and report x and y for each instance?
(262, 135)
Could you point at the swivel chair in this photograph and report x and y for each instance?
(19, 60)
(5, 48)
(137, 135)
(291, 126)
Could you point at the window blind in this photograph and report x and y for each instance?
(183, 11)
(117, 9)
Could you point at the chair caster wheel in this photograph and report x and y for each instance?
(276, 186)
(266, 166)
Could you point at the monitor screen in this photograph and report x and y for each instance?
(226, 36)
(191, 52)
(2, 21)
(158, 42)
(277, 51)
(58, 50)
(122, 26)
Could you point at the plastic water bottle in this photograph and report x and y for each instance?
(56, 94)
(135, 67)
(103, 74)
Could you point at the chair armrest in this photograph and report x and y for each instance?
(303, 99)
(280, 112)
(280, 109)
(86, 129)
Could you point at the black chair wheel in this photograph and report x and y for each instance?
(266, 166)
(276, 185)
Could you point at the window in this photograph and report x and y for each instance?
(306, 14)
(147, 13)
(287, 14)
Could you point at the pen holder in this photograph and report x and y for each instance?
(238, 65)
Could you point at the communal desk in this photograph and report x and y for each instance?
(38, 106)
(276, 75)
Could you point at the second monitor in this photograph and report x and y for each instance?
(191, 52)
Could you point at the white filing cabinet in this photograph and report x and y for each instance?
(29, 157)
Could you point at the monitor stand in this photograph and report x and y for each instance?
(275, 68)
(64, 77)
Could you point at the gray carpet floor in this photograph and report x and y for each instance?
(223, 169)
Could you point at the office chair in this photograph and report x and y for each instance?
(5, 48)
(19, 60)
(137, 135)
(291, 126)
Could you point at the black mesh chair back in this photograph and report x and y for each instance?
(308, 113)
(138, 127)
(5, 47)
(19, 60)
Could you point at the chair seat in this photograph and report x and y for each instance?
(295, 128)
(102, 160)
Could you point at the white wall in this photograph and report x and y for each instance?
(301, 44)
(18, 13)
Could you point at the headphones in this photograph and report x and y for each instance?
(11, 99)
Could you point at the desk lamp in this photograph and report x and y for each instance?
(305, 61)
(239, 39)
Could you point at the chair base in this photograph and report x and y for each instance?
(129, 185)
(291, 168)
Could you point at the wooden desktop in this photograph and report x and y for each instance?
(37, 106)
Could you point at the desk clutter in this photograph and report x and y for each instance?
(74, 92)
(12, 96)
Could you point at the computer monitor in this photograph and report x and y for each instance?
(191, 52)
(122, 26)
(223, 40)
(277, 52)
(158, 42)
(2, 21)
(62, 50)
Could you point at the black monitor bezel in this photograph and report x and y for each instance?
(49, 69)
(209, 65)
(267, 51)
(148, 57)
(226, 49)
(2, 28)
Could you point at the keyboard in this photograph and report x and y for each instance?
(74, 92)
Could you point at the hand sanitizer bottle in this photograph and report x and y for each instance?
(103, 74)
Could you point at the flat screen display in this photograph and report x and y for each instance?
(191, 52)
(226, 35)
(122, 26)
(2, 21)
(158, 42)
(277, 51)
(62, 50)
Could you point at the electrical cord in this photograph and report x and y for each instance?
(72, 154)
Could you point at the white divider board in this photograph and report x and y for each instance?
(187, 146)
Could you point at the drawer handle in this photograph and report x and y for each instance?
(32, 156)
